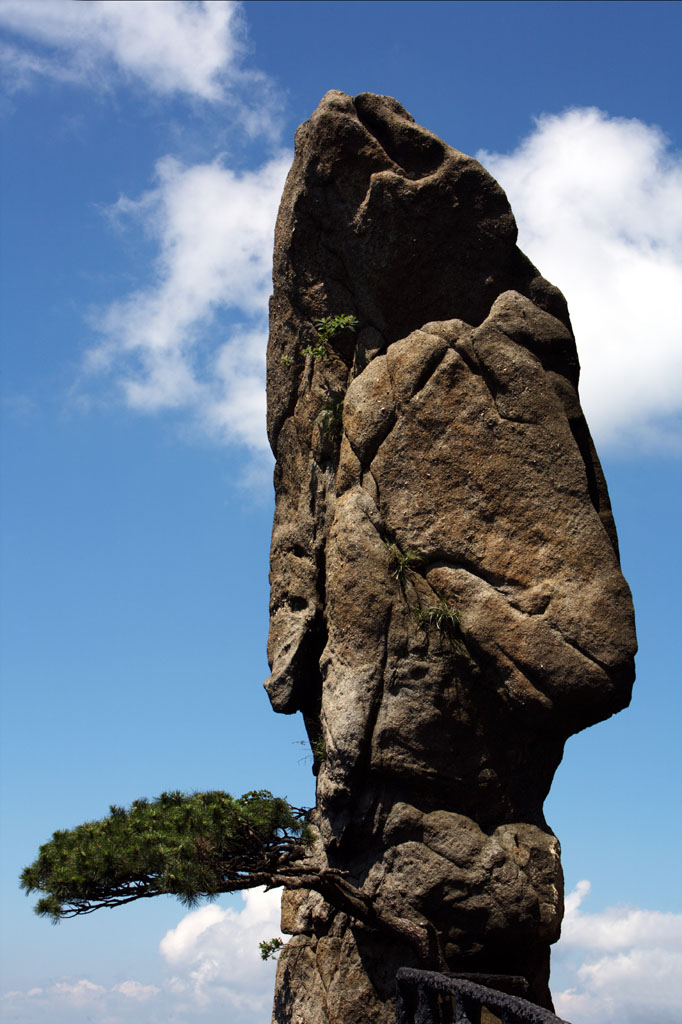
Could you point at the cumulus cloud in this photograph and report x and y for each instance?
(598, 201)
(599, 205)
(214, 971)
(169, 346)
(215, 959)
(624, 964)
(621, 965)
(76, 1000)
(170, 47)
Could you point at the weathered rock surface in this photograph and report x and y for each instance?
(446, 434)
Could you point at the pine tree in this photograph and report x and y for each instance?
(195, 847)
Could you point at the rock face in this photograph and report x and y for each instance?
(447, 603)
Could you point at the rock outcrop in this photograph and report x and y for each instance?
(447, 603)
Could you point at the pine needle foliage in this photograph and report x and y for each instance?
(195, 847)
(269, 948)
(191, 846)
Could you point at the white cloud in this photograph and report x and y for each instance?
(72, 1001)
(214, 955)
(599, 204)
(177, 942)
(171, 47)
(622, 964)
(165, 345)
(79, 992)
(21, 67)
(598, 201)
(214, 973)
(136, 990)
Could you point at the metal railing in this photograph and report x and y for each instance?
(426, 997)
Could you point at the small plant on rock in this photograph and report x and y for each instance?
(441, 617)
(401, 561)
(319, 749)
(327, 327)
(330, 419)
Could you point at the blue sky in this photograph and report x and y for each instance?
(144, 150)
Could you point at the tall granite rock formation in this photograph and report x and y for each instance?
(447, 603)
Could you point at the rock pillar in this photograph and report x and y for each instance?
(447, 602)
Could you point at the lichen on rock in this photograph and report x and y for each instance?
(442, 694)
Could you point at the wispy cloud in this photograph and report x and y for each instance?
(169, 345)
(598, 201)
(622, 964)
(195, 49)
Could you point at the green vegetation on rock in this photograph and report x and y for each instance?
(439, 616)
(327, 327)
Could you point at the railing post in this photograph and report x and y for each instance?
(427, 1006)
(468, 1010)
(403, 1001)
